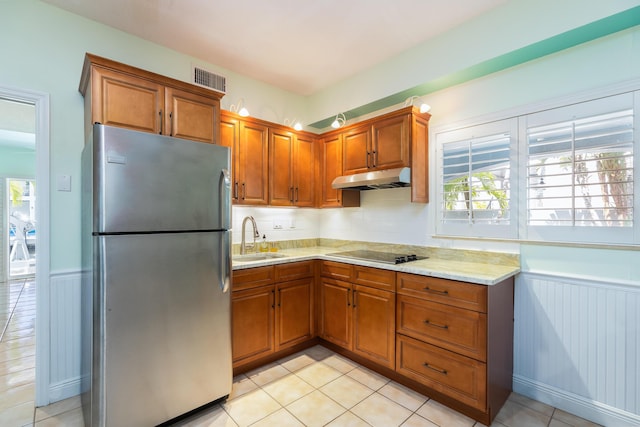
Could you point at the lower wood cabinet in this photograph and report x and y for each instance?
(450, 340)
(456, 338)
(449, 373)
(358, 318)
(269, 316)
(252, 311)
(294, 314)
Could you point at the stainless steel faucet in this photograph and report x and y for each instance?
(256, 234)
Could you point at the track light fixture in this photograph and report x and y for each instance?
(424, 107)
(339, 121)
(239, 108)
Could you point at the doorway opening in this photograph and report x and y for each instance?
(24, 217)
(21, 203)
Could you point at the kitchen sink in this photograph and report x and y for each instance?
(257, 257)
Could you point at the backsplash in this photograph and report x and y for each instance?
(485, 257)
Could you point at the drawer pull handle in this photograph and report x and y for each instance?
(436, 291)
(433, 368)
(427, 322)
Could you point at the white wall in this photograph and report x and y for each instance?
(43, 50)
(481, 39)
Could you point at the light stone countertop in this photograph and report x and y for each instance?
(473, 272)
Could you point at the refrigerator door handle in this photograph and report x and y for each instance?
(225, 262)
(224, 192)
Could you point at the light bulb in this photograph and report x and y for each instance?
(424, 108)
(243, 112)
(297, 126)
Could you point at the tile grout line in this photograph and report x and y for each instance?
(346, 410)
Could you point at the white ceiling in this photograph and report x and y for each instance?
(301, 46)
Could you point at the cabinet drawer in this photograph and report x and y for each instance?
(374, 277)
(456, 329)
(450, 292)
(336, 270)
(293, 271)
(449, 373)
(253, 277)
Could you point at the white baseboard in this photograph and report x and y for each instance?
(574, 404)
(64, 390)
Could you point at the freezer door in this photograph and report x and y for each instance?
(147, 182)
(163, 337)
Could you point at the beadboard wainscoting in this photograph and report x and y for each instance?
(65, 335)
(577, 346)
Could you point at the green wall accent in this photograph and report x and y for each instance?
(603, 27)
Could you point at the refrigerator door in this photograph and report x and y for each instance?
(145, 182)
(162, 335)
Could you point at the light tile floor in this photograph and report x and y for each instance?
(315, 387)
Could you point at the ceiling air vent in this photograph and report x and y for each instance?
(210, 80)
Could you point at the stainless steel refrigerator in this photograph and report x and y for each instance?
(156, 261)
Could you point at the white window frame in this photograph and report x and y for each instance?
(479, 229)
(518, 229)
(582, 234)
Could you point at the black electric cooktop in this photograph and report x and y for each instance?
(384, 257)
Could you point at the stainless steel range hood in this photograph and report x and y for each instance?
(389, 178)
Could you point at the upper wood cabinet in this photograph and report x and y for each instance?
(419, 137)
(330, 154)
(394, 140)
(381, 144)
(292, 168)
(390, 142)
(356, 150)
(249, 143)
(121, 95)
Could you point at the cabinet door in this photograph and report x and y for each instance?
(252, 323)
(253, 164)
(391, 143)
(420, 159)
(191, 116)
(304, 172)
(374, 325)
(230, 137)
(126, 101)
(331, 169)
(294, 314)
(331, 165)
(356, 151)
(281, 191)
(335, 312)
